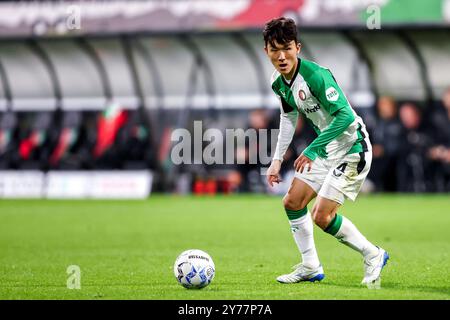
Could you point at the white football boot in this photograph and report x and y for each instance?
(302, 273)
(373, 265)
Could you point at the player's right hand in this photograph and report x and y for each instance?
(273, 173)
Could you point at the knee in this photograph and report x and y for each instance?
(320, 217)
(291, 203)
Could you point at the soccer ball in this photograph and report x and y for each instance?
(194, 269)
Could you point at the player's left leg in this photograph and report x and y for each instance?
(326, 217)
(343, 182)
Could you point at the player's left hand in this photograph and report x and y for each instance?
(301, 162)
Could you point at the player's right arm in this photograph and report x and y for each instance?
(288, 122)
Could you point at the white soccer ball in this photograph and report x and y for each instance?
(194, 269)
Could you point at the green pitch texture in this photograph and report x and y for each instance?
(126, 249)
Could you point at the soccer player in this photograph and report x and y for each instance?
(332, 168)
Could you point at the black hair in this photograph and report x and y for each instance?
(282, 30)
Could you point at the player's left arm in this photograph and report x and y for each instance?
(330, 96)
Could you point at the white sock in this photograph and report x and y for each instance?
(302, 230)
(349, 235)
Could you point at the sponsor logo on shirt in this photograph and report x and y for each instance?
(313, 109)
(332, 94)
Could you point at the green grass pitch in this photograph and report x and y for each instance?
(126, 249)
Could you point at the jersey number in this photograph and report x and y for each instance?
(340, 169)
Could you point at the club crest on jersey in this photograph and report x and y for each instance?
(332, 94)
(302, 95)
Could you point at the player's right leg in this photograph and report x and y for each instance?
(295, 203)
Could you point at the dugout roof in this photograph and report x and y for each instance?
(29, 80)
(215, 70)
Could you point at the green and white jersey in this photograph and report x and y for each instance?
(314, 92)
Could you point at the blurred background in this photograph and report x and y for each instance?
(91, 91)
